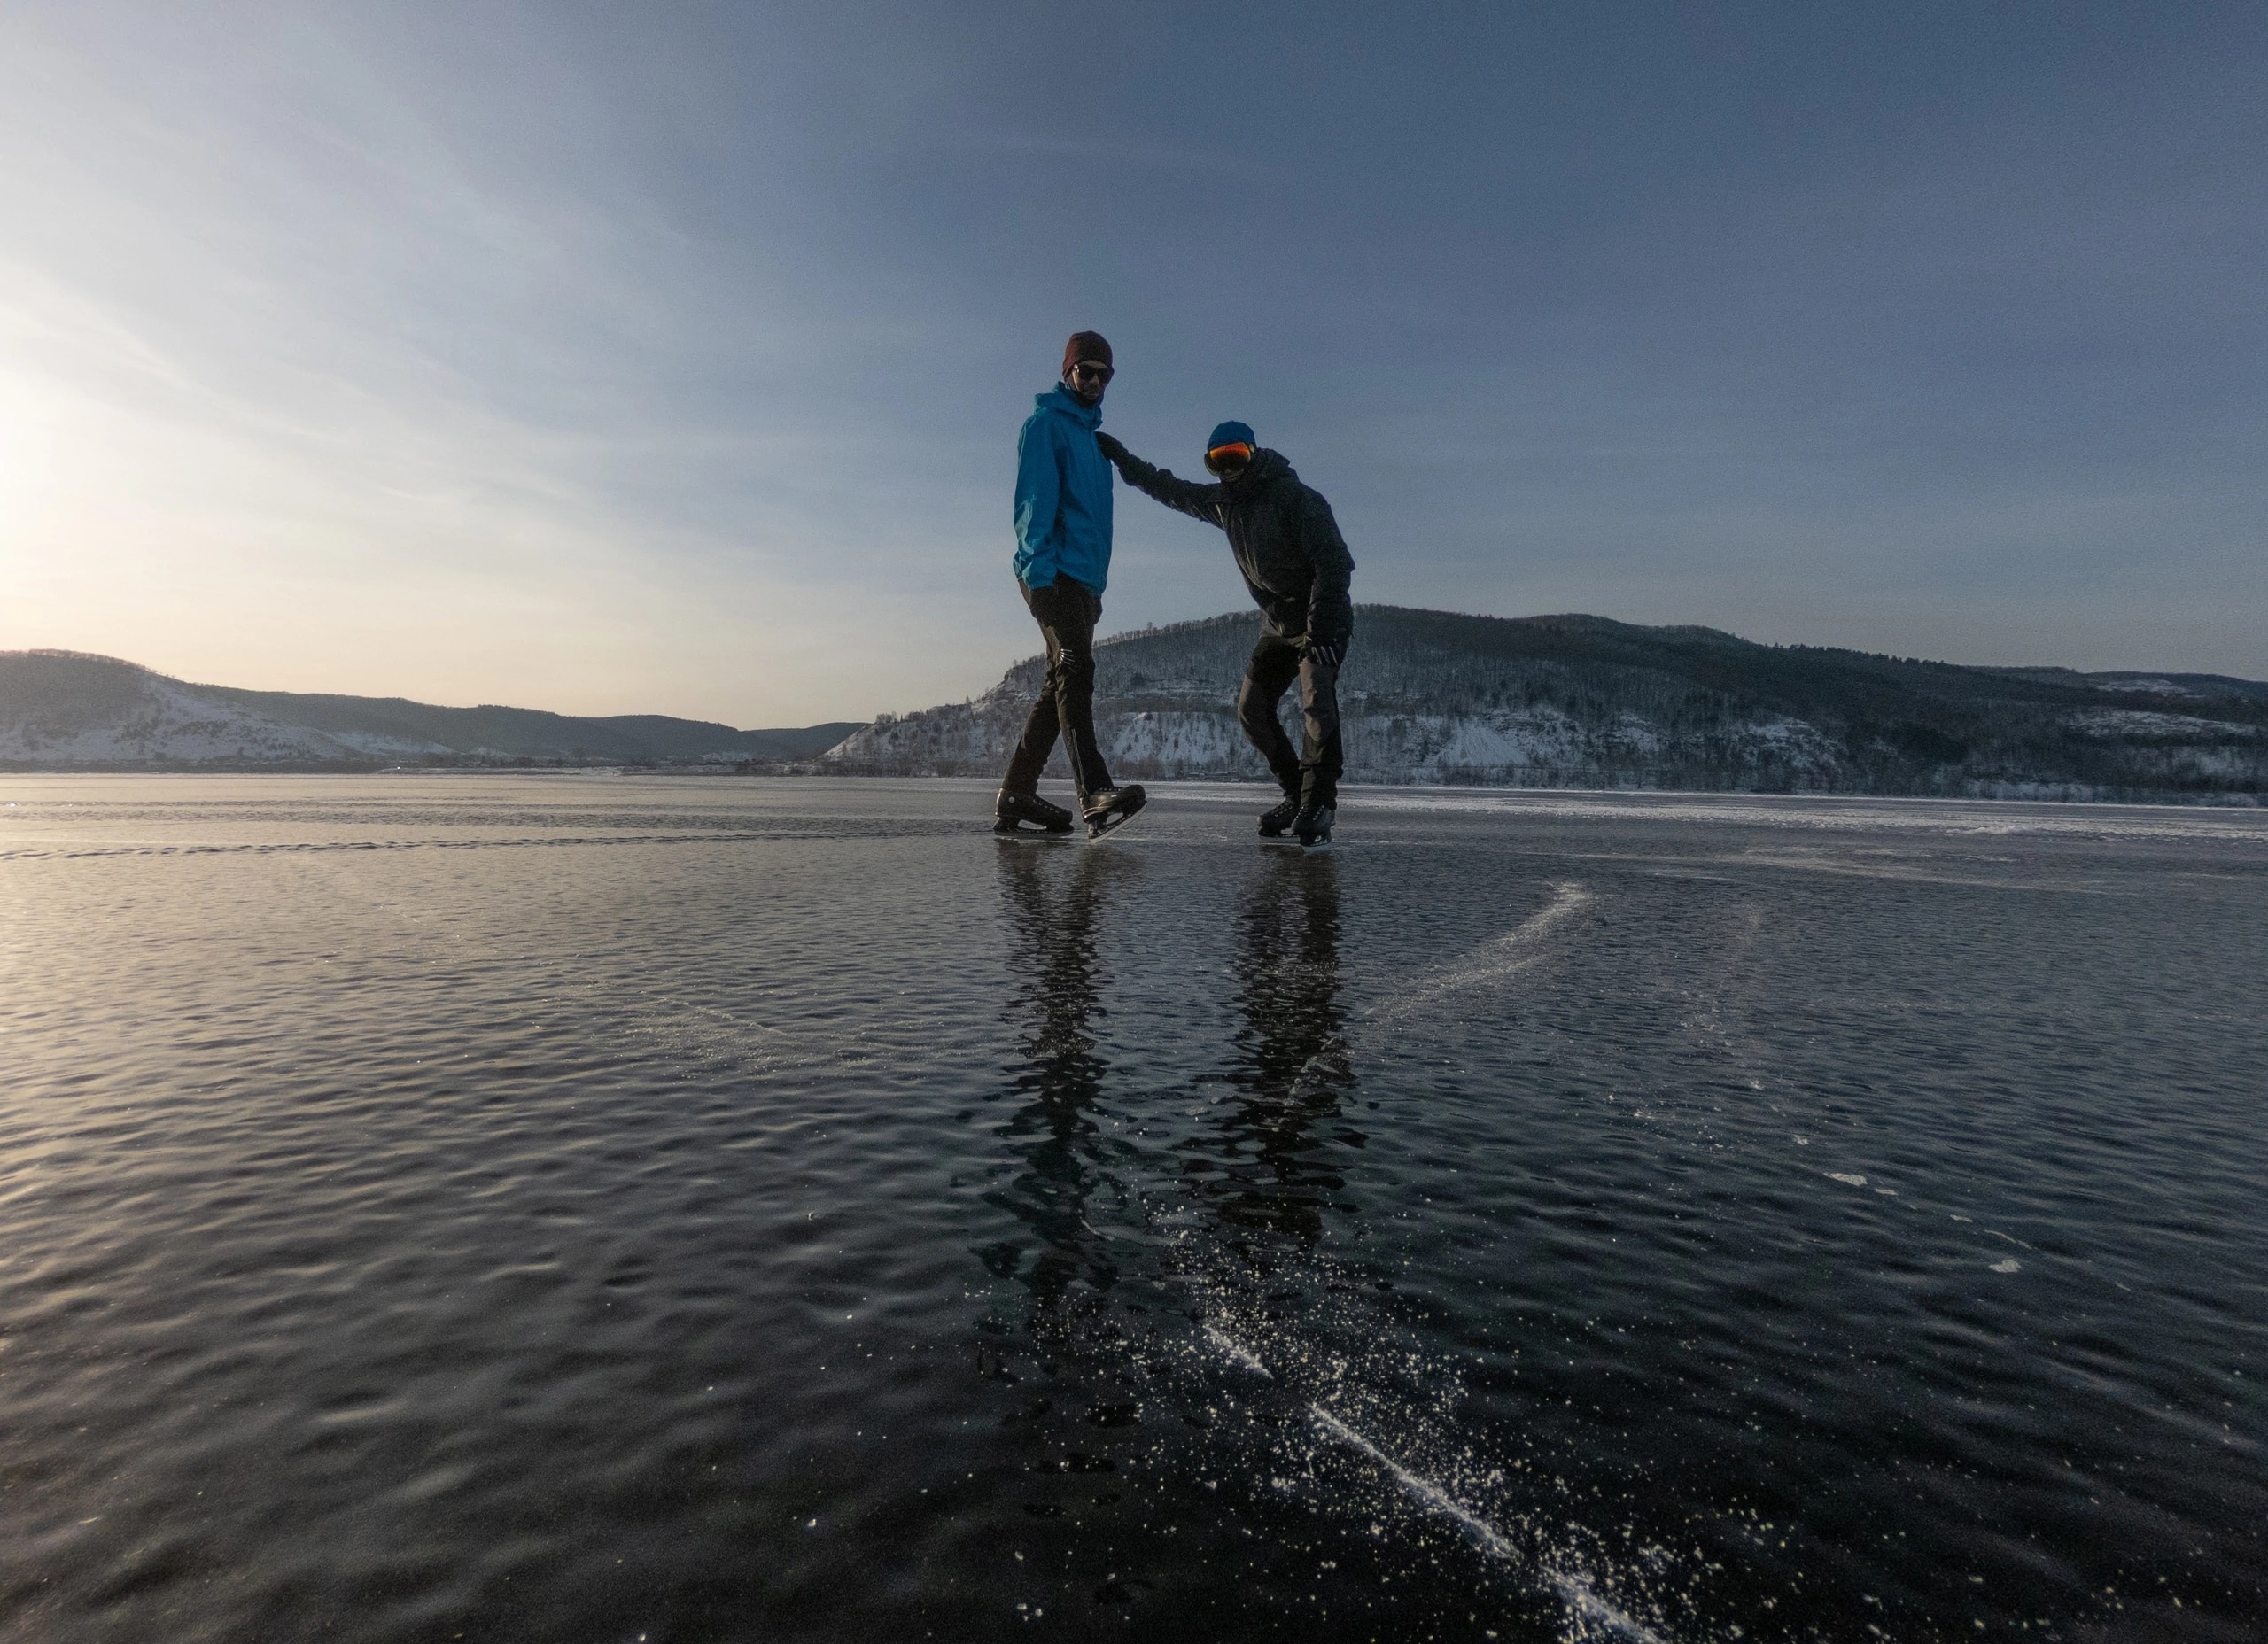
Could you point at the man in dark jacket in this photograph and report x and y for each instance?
(1296, 565)
(1062, 517)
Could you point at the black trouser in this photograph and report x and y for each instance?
(1312, 778)
(1066, 612)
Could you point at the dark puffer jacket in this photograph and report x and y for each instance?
(1286, 543)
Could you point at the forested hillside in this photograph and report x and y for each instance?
(1430, 697)
(1435, 696)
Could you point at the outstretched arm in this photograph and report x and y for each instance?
(1198, 501)
(1331, 611)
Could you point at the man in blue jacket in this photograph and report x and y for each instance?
(1062, 561)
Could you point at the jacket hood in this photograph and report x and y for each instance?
(1059, 399)
(1266, 465)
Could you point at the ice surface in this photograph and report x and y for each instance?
(1510, 954)
(740, 1123)
(1589, 1615)
(1235, 1351)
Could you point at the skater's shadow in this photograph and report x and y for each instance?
(1268, 1162)
(1052, 909)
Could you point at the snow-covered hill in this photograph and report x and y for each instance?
(1391, 736)
(156, 720)
(60, 709)
(1437, 697)
(1428, 697)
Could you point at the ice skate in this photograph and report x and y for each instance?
(1313, 826)
(1028, 813)
(1110, 807)
(1278, 819)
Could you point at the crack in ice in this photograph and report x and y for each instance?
(1507, 956)
(1583, 1602)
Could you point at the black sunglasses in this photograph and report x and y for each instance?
(1088, 367)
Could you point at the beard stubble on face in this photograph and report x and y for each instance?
(1082, 389)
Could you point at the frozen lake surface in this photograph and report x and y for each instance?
(605, 1209)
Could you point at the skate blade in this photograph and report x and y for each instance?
(1110, 823)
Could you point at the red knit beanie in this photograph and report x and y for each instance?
(1084, 346)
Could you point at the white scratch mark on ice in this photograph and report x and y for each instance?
(1236, 1351)
(1316, 1068)
(1507, 956)
(1585, 1607)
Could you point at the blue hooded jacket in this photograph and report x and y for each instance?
(1062, 495)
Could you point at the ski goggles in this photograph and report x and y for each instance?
(1230, 459)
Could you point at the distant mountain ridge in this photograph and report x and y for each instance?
(1576, 700)
(65, 710)
(1429, 697)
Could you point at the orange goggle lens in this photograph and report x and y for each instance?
(1221, 459)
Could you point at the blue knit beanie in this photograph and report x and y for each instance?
(1229, 433)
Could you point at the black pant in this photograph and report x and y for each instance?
(1312, 778)
(1066, 612)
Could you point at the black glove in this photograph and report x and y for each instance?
(1111, 449)
(1326, 656)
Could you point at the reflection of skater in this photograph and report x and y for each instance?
(1296, 565)
(1062, 561)
(1057, 1081)
(1291, 1063)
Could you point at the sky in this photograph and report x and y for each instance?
(669, 358)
